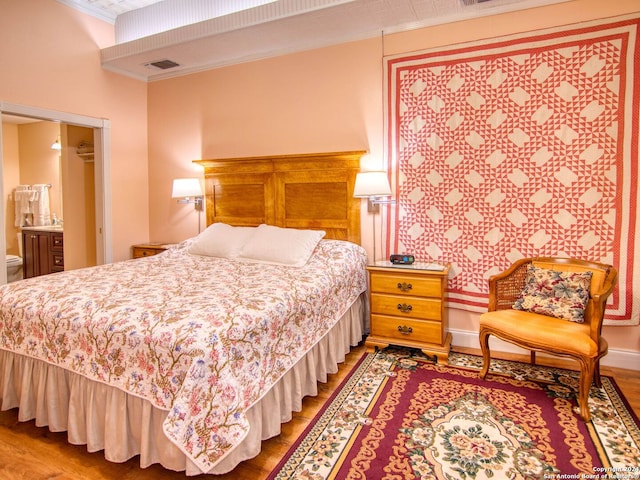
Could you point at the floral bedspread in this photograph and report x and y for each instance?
(200, 337)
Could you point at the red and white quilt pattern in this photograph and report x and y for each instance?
(521, 146)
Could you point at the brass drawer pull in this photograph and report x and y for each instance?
(405, 287)
(404, 308)
(404, 330)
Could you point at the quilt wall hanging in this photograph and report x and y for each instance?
(518, 146)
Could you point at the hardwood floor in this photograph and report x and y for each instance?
(33, 453)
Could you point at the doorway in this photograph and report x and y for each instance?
(93, 177)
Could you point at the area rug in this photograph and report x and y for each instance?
(398, 415)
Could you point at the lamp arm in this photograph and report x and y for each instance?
(374, 202)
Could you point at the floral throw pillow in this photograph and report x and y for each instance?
(556, 294)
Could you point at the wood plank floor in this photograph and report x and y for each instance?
(32, 453)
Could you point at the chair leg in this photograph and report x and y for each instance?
(486, 354)
(596, 374)
(533, 357)
(586, 379)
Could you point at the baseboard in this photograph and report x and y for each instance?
(615, 358)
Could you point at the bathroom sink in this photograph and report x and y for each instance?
(46, 228)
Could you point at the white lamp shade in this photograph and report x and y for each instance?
(372, 184)
(186, 187)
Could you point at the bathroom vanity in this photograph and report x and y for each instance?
(42, 250)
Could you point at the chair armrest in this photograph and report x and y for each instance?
(598, 303)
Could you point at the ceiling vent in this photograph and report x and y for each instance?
(163, 64)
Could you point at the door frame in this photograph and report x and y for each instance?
(102, 176)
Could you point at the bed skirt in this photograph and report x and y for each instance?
(106, 418)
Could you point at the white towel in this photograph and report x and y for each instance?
(40, 207)
(22, 198)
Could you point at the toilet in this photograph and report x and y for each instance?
(14, 268)
(14, 263)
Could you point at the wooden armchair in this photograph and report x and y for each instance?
(536, 332)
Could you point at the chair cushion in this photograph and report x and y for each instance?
(555, 293)
(532, 330)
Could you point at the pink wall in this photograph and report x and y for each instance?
(266, 107)
(322, 100)
(50, 59)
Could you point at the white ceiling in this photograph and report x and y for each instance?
(202, 34)
(108, 9)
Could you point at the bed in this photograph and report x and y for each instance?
(192, 357)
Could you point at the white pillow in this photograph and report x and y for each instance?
(284, 246)
(221, 240)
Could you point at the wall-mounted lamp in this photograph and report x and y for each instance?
(373, 186)
(188, 190)
(56, 145)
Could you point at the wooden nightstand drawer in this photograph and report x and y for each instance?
(148, 249)
(405, 329)
(144, 252)
(407, 307)
(406, 285)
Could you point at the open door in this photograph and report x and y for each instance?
(100, 188)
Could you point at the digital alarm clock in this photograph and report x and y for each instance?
(401, 259)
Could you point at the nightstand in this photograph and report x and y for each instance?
(149, 249)
(408, 308)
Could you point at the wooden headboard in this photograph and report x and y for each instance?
(309, 191)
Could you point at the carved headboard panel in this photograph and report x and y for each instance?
(309, 191)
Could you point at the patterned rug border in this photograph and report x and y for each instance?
(383, 365)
